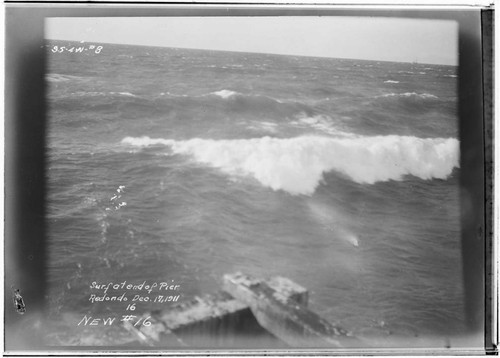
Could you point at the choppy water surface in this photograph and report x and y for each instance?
(182, 165)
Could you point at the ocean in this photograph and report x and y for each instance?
(179, 166)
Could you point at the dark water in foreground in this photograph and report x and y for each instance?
(170, 165)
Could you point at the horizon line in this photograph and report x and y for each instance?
(255, 52)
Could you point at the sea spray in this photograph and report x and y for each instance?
(332, 220)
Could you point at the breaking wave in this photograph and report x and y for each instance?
(296, 165)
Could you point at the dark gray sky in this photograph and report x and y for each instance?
(370, 38)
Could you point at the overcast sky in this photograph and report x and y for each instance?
(368, 38)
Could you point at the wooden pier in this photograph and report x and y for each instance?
(248, 313)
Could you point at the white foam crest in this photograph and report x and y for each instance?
(297, 165)
(126, 94)
(225, 93)
(391, 81)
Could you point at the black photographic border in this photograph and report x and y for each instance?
(25, 242)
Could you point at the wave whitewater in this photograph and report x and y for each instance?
(297, 165)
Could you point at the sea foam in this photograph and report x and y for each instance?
(296, 165)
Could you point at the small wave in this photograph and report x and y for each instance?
(321, 123)
(56, 77)
(265, 126)
(233, 96)
(409, 94)
(226, 94)
(127, 94)
(296, 165)
(412, 103)
(257, 104)
(116, 102)
(391, 81)
(452, 76)
(102, 94)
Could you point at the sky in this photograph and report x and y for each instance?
(366, 38)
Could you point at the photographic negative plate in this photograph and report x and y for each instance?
(207, 179)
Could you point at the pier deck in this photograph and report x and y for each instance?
(247, 312)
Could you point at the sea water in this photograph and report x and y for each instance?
(176, 165)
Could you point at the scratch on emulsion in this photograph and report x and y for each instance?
(18, 301)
